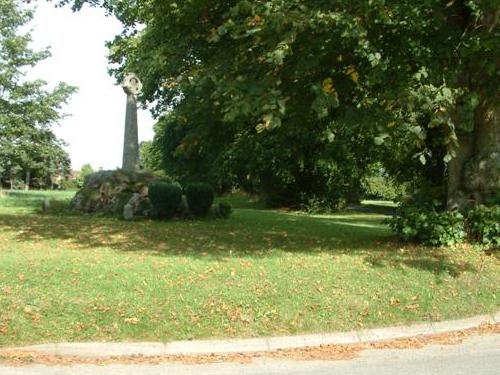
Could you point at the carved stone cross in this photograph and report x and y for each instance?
(132, 87)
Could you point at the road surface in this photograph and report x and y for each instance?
(478, 355)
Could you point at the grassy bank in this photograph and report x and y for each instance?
(77, 278)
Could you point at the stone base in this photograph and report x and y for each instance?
(108, 192)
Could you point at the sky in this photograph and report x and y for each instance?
(95, 128)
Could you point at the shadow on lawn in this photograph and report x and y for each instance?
(249, 233)
(433, 261)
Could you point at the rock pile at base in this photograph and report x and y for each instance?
(115, 192)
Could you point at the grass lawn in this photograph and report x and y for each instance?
(80, 278)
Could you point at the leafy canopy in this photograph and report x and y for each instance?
(27, 108)
(303, 84)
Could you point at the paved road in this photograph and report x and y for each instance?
(477, 355)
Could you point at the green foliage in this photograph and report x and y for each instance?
(427, 226)
(148, 157)
(484, 225)
(314, 89)
(200, 197)
(85, 170)
(221, 210)
(422, 223)
(69, 184)
(165, 199)
(377, 184)
(28, 110)
(379, 187)
(322, 205)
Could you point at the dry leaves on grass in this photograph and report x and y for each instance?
(132, 320)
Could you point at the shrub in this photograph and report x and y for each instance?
(483, 224)
(165, 199)
(200, 197)
(222, 210)
(68, 184)
(378, 184)
(427, 226)
(317, 205)
(380, 187)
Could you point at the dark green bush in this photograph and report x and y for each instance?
(427, 226)
(200, 197)
(317, 205)
(222, 210)
(483, 224)
(165, 199)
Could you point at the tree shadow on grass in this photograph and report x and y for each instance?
(434, 261)
(248, 233)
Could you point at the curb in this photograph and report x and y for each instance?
(239, 346)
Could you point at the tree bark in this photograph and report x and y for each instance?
(474, 173)
(483, 170)
(456, 197)
(27, 181)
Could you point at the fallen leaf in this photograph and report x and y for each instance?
(132, 320)
(412, 306)
(394, 301)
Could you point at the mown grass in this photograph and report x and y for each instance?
(78, 278)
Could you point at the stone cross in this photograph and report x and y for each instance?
(132, 86)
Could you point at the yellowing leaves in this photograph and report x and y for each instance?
(132, 320)
(328, 87)
(394, 301)
(32, 313)
(353, 73)
(255, 20)
(270, 121)
(27, 310)
(79, 327)
(412, 306)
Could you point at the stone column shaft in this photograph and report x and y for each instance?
(131, 137)
(132, 86)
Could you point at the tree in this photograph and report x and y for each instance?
(148, 158)
(85, 170)
(418, 79)
(28, 147)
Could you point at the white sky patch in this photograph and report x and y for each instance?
(94, 131)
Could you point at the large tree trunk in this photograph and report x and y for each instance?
(474, 173)
(456, 173)
(27, 181)
(482, 172)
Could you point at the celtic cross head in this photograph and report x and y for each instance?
(131, 84)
